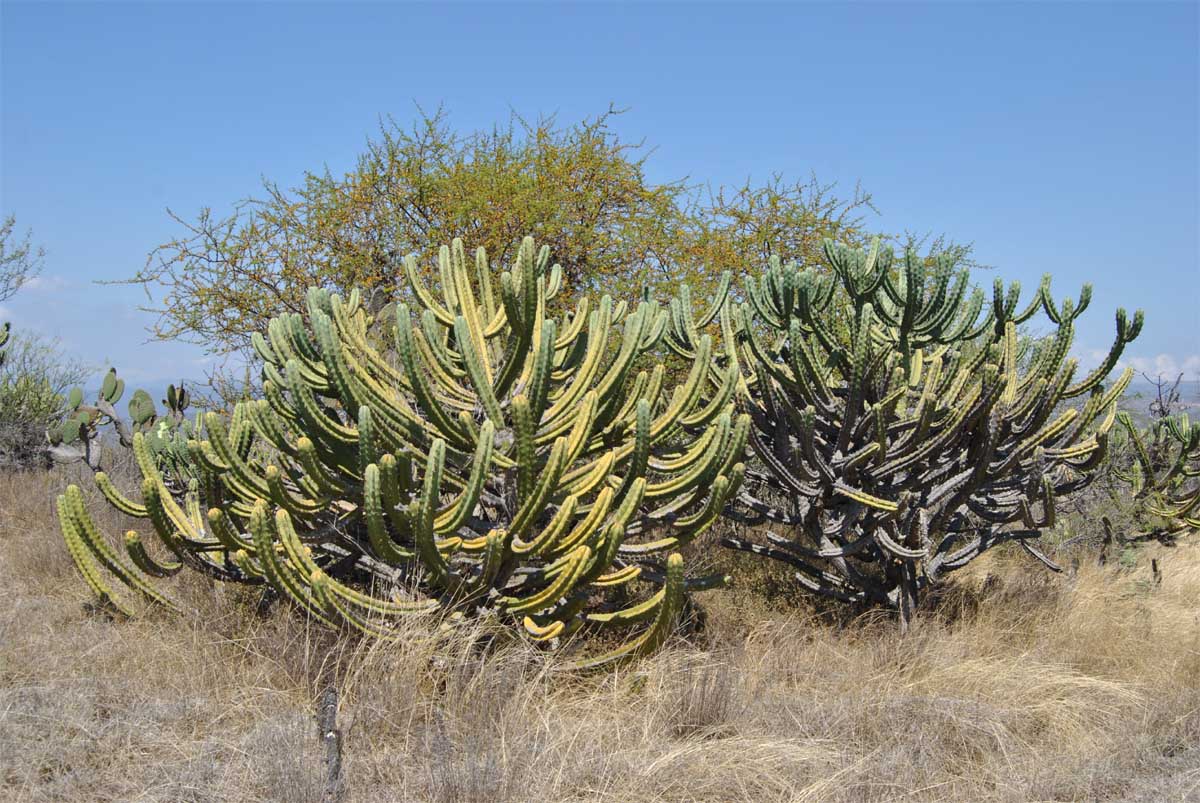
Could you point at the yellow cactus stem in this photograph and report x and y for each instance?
(375, 627)
(281, 496)
(270, 427)
(618, 577)
(551, 533)
(177, 540)
(310, 413)
(539, 633)
(702, 519)
(381, 541)
(421, 514)
(866, 499)
(429, 404)
(455, 514)
(226, 533)
(531, 507)
(85, 530)
(491, 561)
(245, 564)
(279, 573)
(142, 560)
(586, 526)
(668, 604)
(84, 562)
(442, 363)
(574, 566)
(151, 474)
(117, 499)
(300, 557)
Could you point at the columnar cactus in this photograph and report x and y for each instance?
(901, 434)
(1165, 475)
(505, 459)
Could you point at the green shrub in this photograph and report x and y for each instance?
(34, 377)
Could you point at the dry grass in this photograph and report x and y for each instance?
(1024, 686)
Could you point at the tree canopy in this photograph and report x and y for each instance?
(20, 260)
(579, 188)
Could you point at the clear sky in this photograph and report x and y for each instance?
(1056, 137)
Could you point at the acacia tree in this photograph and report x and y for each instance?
(580, 189)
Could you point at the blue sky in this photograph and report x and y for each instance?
(1056, 137)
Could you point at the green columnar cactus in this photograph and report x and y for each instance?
(900, 434)
(505, 459)
(1165, 475)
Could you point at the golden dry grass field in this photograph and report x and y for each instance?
(1020, 685)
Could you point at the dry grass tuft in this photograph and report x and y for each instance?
(1018, 686)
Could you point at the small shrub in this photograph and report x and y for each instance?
(34, 377)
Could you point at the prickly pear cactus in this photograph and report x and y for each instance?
(498, 458)
(78, 435)
(899, 432)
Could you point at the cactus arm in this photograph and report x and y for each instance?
(527, 512)
(105, 554)
(299, 555)
(226, 533)
(84, 562)
(538, 390)
(587, 526)
(426, 298)
(421, 515)
(456, 513)
(664, 621)
(576, 563)
(477, 370)
(1126, 332)
(276, 570)
(117, 499)
(142, 560)
(334, 355)
(428, 403)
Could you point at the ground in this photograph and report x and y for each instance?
(1018, 685)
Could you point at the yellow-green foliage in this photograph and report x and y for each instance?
(580, 186)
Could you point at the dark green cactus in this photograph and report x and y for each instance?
(898, 431)
(177, 401)
(1164, 477)
(510, 460)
